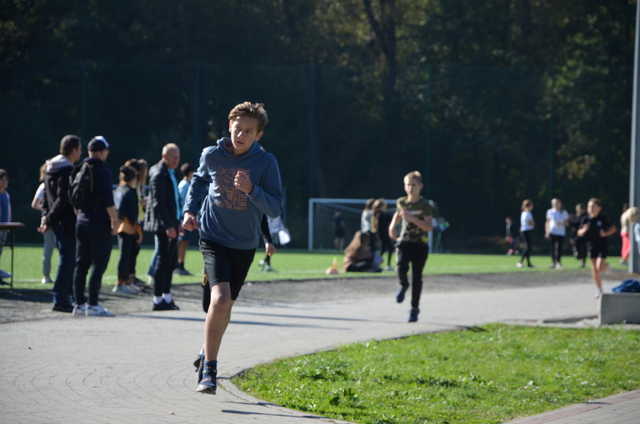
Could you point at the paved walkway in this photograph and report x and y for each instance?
(137, 368)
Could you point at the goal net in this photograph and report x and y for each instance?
(322, 220)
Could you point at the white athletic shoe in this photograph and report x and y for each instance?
(558, 266)
(80, 310)
(519, 265)
(125, 289)
(98, 311)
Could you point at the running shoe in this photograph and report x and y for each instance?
(62, 307)
(181, 271)
(80, 310)
(413, 314)
(98, 311)
(199, 365)
(519, 265)
(125, 289)
(46, 280)
(400, 295)
(208, 382)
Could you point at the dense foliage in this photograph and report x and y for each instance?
(494, 101)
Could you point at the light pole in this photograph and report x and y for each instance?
(634, 174)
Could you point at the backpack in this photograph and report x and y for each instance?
(81, 187)
(628, 286)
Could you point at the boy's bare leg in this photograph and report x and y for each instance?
(217, 319)
(182, 250)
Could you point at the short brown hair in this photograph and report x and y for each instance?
(251, 110)
(414, 176)
(68, 144)
(526, 203)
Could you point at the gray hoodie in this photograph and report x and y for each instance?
(228, 216)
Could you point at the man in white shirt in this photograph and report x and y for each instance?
(556, 230)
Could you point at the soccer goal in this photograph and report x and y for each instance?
(322, 217)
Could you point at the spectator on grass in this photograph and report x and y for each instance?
(512, 241)
(126, 200)
(141, 167)
(96, 225)
(579, 242)
(162, 218)
(186, 237)
(527, 225)
(596, 227)
(338, 231)
(556, 230)
(384, 220)
(49, 237)
(59, 215)
(5, 215)
(625, 228)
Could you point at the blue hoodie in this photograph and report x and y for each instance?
(228, 216)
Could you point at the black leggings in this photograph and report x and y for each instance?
(556, 248)
(527, 238)
(415, 254)
(126, 265)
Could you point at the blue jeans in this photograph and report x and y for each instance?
(66, 243)
(47, 251)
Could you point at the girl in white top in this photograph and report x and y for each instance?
(556, 231)
(527, 225)
(49, 237)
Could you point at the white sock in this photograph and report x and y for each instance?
(157, 299)
(167, 297)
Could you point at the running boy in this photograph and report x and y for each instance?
(595, 228)
(416, 216)
(238, 182)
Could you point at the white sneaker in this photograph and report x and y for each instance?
(46, 280)
(125, 289)
(389, 268)
(558, 266)
(98, 311)
(80, 310)
(519, 265)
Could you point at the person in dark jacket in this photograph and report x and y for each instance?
(162, 219)
(58, 214)
(96, 225)
(126, 200)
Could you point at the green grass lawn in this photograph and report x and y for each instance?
(465, 377)
(289, 264)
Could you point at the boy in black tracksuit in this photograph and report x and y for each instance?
(58, 214)
(96, 224)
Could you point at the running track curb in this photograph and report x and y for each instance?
(578, 409)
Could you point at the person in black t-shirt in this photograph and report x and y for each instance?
(579, 243)
(595, 228)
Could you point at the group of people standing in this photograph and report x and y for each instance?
(589, 230)
(81, 212)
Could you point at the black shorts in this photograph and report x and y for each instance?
(598, 249)
(226, 265)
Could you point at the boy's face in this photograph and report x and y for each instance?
(244, 132)
(4, 183)
(593, 209)
(412, 187)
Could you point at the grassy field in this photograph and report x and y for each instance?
(290, 265)
(467, 377)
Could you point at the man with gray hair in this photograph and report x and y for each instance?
(162, 218)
